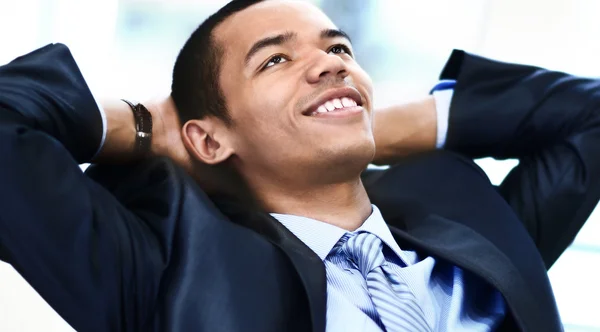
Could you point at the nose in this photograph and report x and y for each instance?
(326, 66)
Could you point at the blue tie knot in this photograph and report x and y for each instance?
(363, 250)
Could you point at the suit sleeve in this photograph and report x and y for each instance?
(550, 122)
(93, 260)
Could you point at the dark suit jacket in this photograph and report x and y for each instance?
(142, 248)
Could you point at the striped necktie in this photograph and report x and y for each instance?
(395, 303)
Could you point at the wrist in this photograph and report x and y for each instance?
(120, 133)
(143, 127)
(404, 129)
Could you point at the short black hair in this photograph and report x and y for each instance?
(195, 88)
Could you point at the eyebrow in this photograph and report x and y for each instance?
(289, 36)
(269, 41)
(335, 33)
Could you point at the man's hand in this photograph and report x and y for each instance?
(404, 129)
(166, 140)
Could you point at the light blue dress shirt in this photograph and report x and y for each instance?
(452, 299)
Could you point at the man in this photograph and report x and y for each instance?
(281, 104)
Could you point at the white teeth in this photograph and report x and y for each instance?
(337, 103)
(329, 105)
(347, 102)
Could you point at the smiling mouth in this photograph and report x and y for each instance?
(334, 105)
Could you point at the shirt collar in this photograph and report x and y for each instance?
(321, 237)
(317, 235)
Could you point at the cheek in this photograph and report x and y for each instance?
(366, 82)
(264, 120)
(270, 104)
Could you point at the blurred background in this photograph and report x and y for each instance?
(126, 49)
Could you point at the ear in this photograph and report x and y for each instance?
(207, 141)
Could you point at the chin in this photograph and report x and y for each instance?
(349, 158)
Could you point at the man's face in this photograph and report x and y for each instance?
(301, 105)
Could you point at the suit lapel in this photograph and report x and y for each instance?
(470, 251)
(413, 225)
(308, 265)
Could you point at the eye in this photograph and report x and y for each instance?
(340, 49)
(274, 60)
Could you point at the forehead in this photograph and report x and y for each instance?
(269, 18)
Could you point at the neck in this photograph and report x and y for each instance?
(345, 205)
